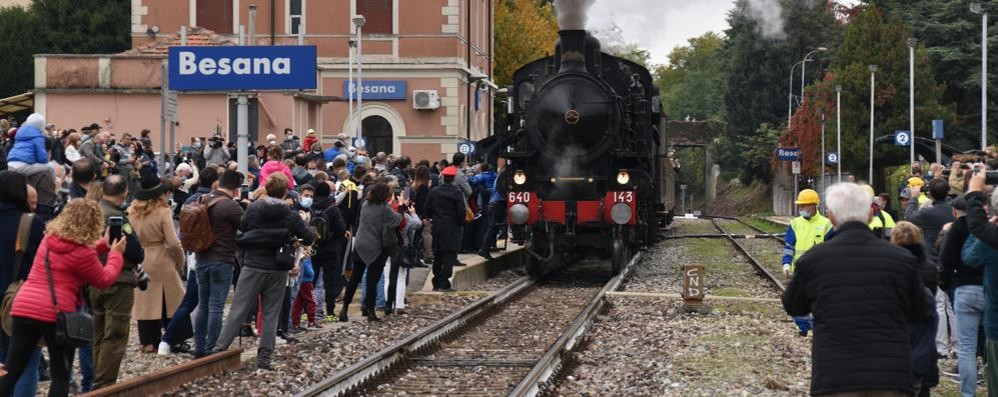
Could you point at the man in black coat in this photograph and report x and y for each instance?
(863, 292)
(328, 258)
(445, 207)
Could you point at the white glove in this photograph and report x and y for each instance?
(786, 270)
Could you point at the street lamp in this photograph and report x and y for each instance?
(358, 22)
(911, 99)
(790, 90)
(873, 83)
(838, 129)
(981, 8)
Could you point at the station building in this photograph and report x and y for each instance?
(427, 72)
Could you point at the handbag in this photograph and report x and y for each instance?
(20, 247)
(73, 329)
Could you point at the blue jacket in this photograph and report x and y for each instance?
(29, 146)
(307, 271)
(977, 253)
(486, 182)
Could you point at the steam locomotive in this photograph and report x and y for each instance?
(588, 157)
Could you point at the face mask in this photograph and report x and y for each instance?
(928, 175)
(313, 172)
(306, 202)
(197, 145)
(806, 214)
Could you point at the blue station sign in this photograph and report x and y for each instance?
(235, 68)
(937, 129)
(788, 154)
(902, 137)
(381, 90)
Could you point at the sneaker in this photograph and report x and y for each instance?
(266, 366)
(295, 331)
(164, 349)
(247, 331)
(180, 348)
(331, 319)
(953, 372)
(315, 325)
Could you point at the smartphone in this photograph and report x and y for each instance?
(398, 193)
(115, 223)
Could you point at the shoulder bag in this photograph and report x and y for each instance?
(73, 329)
(20, 247)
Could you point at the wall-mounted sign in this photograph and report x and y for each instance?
(788, 154)
(235, 68)
(378, 90)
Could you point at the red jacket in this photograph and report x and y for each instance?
(309, 141)
(273, 167)
(73, 265)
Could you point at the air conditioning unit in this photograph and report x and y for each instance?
(425, 99)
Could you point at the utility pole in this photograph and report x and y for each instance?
(873, 83)
(911, 99)
(358, 22)
(838, 129)
(981, 8)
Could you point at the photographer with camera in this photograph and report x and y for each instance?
(112, 307)
(216, 153)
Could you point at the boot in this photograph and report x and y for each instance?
(364, 312)
(343, 314)
(373, 316)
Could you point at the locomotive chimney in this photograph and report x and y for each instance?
(572, 48)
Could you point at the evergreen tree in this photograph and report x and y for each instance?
(693, 83)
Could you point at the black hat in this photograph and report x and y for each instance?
(152, 187)
(960, 203)
(322, 189)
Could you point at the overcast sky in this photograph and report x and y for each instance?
(661, 25)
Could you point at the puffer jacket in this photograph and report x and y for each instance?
(73, 265)
(29, 146)
(864, 292)
(273, 167)
(267, 225)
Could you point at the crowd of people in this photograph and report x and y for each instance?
(889, 293)
(98, 227)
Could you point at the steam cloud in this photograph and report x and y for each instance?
(769, 17)
(572, 14)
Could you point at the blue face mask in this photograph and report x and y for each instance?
(806, 214)
(306, 202)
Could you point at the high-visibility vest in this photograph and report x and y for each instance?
(880, 223)
(808, 232)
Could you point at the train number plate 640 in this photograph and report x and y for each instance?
(623, 197)
(519, 197)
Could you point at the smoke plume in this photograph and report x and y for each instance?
(768, 15)
(572, 13)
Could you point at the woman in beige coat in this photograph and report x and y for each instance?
(152, 222)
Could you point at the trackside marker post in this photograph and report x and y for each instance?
(693, 288)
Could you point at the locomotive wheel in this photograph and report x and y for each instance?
(536, 267)
(620, 256)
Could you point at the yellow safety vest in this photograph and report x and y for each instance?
(922, 199)
(888, 222)
(808, 232)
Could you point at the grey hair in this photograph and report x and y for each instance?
(994, 199)
(848, 202)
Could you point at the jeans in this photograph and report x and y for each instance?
(86, 355)
(182, 316)
(214, 279)
(28, 384)
(379, 298)
(969, 307)
(946, 333)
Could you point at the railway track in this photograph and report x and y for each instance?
(760, 268)
(509, 343)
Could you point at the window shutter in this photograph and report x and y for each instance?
(377, 14)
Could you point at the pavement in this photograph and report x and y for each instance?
(782, 220)
(478, 269)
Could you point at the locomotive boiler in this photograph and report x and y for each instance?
(586, 154)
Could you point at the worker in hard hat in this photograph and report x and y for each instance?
(915, 188)
(805, 231)
(881, 222)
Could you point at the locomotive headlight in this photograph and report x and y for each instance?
(519, 178)
(623, 177)
(620, 213)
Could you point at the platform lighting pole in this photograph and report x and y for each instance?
(981, 8)
(242, 105)
(822, 162)
(358, 22)
(351, 86)
(911, 99)
(803, 67)
(838, 129)
(873, 83)
(790, 96)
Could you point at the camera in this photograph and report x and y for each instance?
(216, 142)
(143, 278)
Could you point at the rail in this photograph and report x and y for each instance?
(551, 361)
(353, 376)
(169, 378)
(755, 263)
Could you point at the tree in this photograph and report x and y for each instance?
(874, 38)
(20, 39)
(525, 30)
(694, 82)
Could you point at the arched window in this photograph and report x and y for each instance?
(378, 134)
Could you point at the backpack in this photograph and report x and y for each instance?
(196, 234)
(320, 224)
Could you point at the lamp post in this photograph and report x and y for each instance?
(822, 162)
(873, 83)
(981, 8)
(358, 22)
(911, 99)
(351, 86)
(838, 129)
(790, 91)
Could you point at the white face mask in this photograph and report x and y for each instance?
(806, 214)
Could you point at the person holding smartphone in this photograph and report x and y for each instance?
(68, 256)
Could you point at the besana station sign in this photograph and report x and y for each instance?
(242, 68)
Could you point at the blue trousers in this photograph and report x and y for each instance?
(183, 314)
